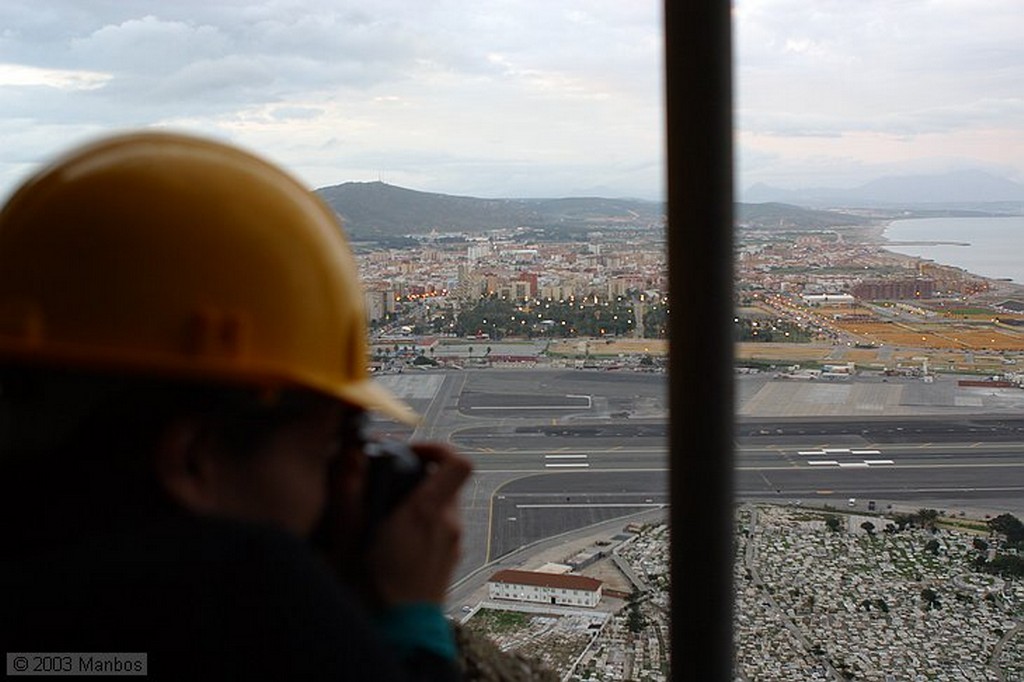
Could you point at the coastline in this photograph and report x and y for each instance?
(997, 288)
(955, 332)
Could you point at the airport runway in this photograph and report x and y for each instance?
(547, 497)
(556, 450)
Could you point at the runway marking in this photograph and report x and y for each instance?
(648, 495)
(990, 489)
(850, 465)
(588, 406)
(565, 456)
(888, 447)
(970, 465)
(836, 451)
(591, 451)
(529, 407)
(526, 471)
(882, 491)
(609, 470)
(605, 505)
(590, 401)
(567, 466)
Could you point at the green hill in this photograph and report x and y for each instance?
(376, 209)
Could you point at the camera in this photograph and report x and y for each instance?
(393, 470)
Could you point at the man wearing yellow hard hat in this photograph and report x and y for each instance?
(183, 470)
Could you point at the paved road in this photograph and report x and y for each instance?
(557, 450)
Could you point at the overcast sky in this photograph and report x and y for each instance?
(838, 92)
(516, 97)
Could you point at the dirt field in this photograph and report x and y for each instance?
(936, 336)
(613, 347)
(783, 352)
(861, 356)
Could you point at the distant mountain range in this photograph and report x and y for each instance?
(776, 216)
(965, 188)
(377, 209)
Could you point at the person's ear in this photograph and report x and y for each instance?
(185, 466)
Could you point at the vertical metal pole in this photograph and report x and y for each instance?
(700, 194)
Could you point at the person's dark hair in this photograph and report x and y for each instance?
(54, 410)
(76, 444)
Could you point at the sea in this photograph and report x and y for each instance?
(990, 247)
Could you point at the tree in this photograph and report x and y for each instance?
(1006, 565)
(656, 322)
(499, 317)
(833, 523)
(1009, 526)
(930, 598)
(927, 517)
(868, 527)
(635, 620)
(902, 521)
(932, 546)
(980, 545)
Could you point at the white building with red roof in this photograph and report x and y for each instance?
(545, 588)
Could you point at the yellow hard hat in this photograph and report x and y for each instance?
(165, 254)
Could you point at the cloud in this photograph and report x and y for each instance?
(155, 45)
(18, 75)
(505, 97)
(514, 96)
(861, 80)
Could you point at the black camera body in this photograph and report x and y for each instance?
(392, 471)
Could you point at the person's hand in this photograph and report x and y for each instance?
(417, 546)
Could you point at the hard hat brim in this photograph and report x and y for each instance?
(371, 396)
(163, 254)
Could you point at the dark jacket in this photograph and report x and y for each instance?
(204, 598)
